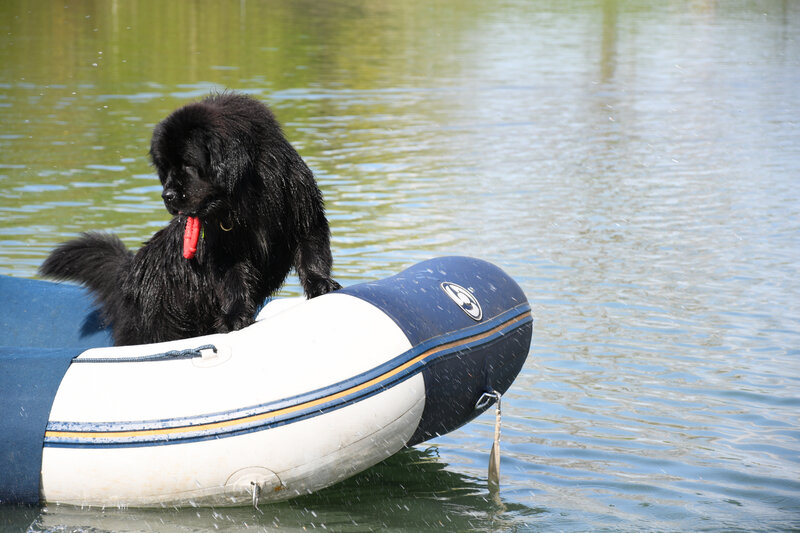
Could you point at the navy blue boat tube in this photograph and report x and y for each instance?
(29, 379)
(449, 294)
(43, 326)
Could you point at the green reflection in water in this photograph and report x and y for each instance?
(84, 83)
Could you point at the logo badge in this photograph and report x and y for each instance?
(464, 299)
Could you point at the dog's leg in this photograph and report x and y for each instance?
(313, 263)
(238, 306)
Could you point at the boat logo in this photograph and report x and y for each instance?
(464, 299)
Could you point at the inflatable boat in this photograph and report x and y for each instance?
(311, 393)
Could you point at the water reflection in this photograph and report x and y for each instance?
(412, 490)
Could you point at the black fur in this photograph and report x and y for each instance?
(225, 160)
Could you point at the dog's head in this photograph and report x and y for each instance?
(184, 148)
(225, 157)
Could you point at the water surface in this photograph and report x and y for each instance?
(634, 165)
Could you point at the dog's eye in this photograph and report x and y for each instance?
(191, 171)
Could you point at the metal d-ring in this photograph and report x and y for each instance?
(486, 398)
(256, 494)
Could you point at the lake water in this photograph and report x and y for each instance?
(634, 165)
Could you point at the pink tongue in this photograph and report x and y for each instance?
(191, 234)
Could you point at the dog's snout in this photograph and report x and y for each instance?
(169, 195)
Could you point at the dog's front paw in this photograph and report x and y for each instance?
(321, 286)
(233, 322)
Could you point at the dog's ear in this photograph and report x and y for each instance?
(155, 153)
(216, 158)
(232, 164)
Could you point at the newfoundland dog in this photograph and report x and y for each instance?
(245, 209)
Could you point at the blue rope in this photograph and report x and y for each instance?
(172, 355)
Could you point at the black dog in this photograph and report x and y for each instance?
(230, 176)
